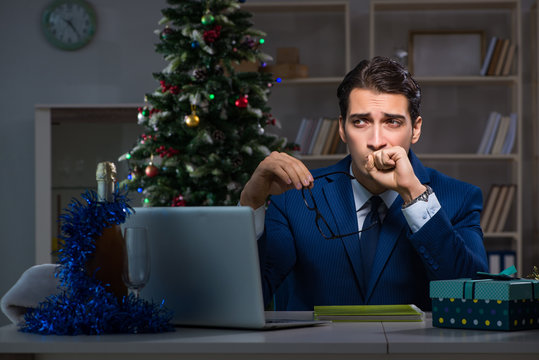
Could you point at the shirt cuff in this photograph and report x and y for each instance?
(419, 213)
(260, 216)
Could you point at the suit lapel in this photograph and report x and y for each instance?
(342, 216)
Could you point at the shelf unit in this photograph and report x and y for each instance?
(322, 83)
(274, 8)
(534, 128)
(468, 112)
(112, 127)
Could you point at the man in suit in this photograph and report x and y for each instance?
(336, 244)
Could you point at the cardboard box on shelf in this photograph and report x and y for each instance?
(288, 71)
(287, 55)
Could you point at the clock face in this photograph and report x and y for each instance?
(69, 24)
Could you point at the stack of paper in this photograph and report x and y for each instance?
(369, 313)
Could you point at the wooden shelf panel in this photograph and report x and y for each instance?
(113, 113)
(467, 80)
(504, 234)
(308, 6)
(425, 5)
(311, 81)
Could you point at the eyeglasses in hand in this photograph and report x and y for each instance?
(320, 221)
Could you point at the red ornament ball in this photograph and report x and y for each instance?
(151, 170)
(242, 102)
(166, 33)
(179, 201)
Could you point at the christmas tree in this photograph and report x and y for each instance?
(205, 126)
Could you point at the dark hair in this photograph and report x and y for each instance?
(382, 75)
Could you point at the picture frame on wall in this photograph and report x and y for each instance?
(445, 52)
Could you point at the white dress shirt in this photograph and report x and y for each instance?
(416, 214)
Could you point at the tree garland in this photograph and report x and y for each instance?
(83, 304)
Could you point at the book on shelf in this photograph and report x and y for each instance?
(312, 134)
(320, 140)
(306, 137)
(488, 56)
(333, 129)
(490, 132)
(490, 202)
(510, 137)
(508, 64)
(400, 312)
(316, 135)
(301, 129)
(310, 128)
(302, 133)
(502, 57)
(501, 134)
(497, 207)
(506, 206)
(335, 142)
(495, 56)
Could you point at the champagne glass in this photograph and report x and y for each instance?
(136, 270)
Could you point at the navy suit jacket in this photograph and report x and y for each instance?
(328, 272)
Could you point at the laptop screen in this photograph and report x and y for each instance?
(204, 264)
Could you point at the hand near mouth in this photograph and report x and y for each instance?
(391, 168)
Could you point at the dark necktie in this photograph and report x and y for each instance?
(369, 238)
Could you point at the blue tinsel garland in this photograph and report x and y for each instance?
(83, 304)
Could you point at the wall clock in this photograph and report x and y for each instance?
(69, 24)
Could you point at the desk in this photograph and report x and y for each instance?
(337, 340)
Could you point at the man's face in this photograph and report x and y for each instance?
(376, 121)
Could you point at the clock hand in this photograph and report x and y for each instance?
(68, 22)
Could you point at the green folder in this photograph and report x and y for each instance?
(401, 312)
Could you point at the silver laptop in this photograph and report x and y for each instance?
(204, 264)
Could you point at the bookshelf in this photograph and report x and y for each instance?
(64, 174)
(453, 104)
(324, 48)
(534, 128)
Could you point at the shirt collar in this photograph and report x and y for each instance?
(362, 195)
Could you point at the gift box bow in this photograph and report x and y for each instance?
(487, 286)
(469, 286)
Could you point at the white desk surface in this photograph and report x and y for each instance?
(373, 340)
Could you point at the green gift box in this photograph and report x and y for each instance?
(496, 303)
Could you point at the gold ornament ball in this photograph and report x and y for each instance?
(192, 120)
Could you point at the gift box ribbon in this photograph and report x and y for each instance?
(504, 275)
(468, 287)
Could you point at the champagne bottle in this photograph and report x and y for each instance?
(107, 262)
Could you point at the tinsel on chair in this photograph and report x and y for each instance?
(83, 305)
